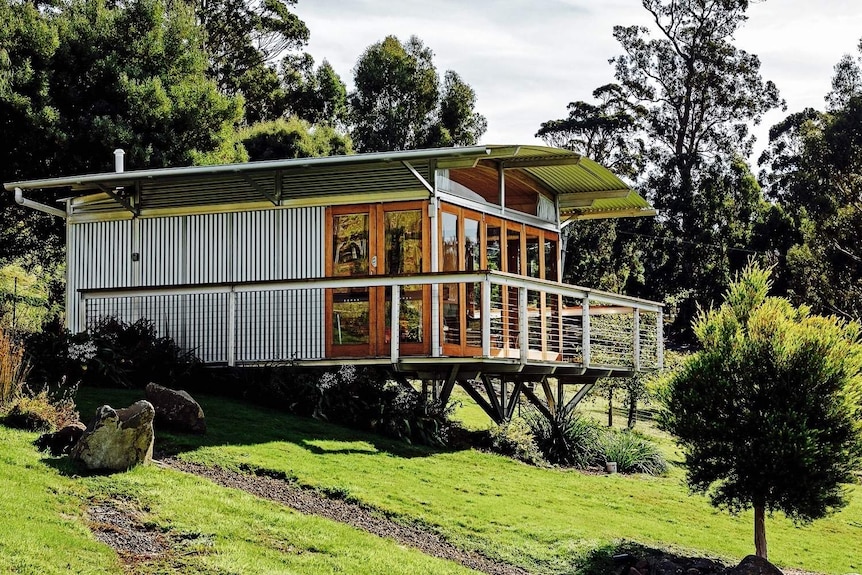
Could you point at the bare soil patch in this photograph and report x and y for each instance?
(118, 524)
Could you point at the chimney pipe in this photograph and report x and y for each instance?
(118, 160)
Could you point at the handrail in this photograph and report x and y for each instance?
(429, 278)
(597, 330)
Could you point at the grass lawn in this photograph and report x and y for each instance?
(43, 528)
(546, 520)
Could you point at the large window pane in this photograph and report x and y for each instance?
(350, 316)
(551, 260)
(450, 292)
(350, 306)
(350, 244)
(472, 263)
(403, 242)
(513, 251)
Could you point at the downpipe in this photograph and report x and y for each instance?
(21, 200)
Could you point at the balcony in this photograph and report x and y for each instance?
(486, 323)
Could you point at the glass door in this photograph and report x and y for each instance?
(461, 303)
(352, 310)
(404, 253)
(367, 241)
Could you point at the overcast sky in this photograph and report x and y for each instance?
(527, 59)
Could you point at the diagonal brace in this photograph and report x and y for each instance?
(259, 189)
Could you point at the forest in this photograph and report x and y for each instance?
(173, 84)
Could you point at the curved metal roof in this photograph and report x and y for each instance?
(583, 188)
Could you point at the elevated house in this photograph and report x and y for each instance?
(443, 265)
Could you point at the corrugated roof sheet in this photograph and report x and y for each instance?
(583, 187)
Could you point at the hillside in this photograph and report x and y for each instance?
(541, 520)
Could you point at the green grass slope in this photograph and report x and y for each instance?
(43, 528)
(546, 520)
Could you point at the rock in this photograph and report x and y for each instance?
(754, 565)
(117, 440)
(62, 441)
(176, 409)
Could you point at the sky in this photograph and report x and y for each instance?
(527, 59)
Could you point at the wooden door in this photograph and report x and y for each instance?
(351, 251)
(371, 240)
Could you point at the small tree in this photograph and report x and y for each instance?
(768, 413)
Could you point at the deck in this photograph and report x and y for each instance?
(512, 324)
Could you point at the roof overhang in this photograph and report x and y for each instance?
(582, 188)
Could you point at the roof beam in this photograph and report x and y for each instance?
(419, 177)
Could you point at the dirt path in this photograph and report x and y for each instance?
(310, 502)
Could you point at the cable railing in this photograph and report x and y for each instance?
(484, 315)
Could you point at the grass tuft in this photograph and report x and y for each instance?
(632, 452)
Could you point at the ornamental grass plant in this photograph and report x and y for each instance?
(13, 369)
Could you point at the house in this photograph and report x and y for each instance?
(443, 265)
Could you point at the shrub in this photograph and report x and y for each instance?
(133, 354)
(113, 353)
(515, 439)
(633, 453)
(366, 398)
(41, 412)
(13, 369)
(568, 439)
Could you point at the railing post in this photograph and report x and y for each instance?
(636, 343)
(394, 324)
(231, 327)
(659, 340)
(436, 320)
(585, 331)
(82, 313)
(486, 317)
(523, 324)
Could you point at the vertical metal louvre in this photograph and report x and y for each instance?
(99, 256)
(248, 246)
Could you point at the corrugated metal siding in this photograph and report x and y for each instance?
(164, 255)
(303, 232)
(98, 256)
(210, 249)
(230, 247)
(280, 325)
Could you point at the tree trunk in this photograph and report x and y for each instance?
(759, 531)
(633, 412)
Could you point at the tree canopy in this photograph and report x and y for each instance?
(677, 123)
(769, 411)
(398, 103)
(814, 173)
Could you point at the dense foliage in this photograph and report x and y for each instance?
(113, 353)
(179, 83)
(399, 104)
(769, 412)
